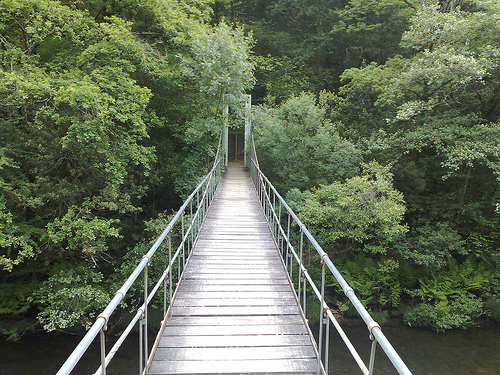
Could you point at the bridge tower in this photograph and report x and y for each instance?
(234, 146)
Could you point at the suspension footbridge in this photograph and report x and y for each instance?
(236, 290)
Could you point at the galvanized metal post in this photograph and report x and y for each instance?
(304, 297)
(288, 229)
(372, 354)
(183, 245)
(197, 212)
(321, 315)
(103, 350)
(275, 224)
(287, 256)
(248, 127)
(145, 320)
(165, 279)
(279, 225)
(226, 133)
(141, 357)
(299, 274)
(327, 343)
(170, 262)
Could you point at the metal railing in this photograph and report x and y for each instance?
(278, 215)
(187, 223)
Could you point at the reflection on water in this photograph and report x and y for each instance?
(460, 352)
(44, 354)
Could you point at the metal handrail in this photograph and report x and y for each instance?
(201, 204)
(272, 204)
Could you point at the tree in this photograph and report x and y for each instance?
(299, 148)
(363, 213)
(220, 66)
(82, 87)
(433, 115)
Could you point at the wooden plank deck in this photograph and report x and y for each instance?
(235, 311)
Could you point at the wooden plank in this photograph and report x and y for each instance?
(236, 330)
(233, 302)
(232, 294)
(223, 261)
(227, 271)
(270, 282)
(242, 353)
(187, 287)
(222, 321)
(234, 341)
(267, 366)
(234, 310)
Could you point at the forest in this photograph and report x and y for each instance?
(377, 120)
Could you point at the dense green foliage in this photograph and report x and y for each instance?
(300, 147)
(420, 240)
(104, 106)
(378, 120)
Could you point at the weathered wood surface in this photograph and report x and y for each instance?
(235, 311)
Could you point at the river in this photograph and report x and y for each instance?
(475, 351)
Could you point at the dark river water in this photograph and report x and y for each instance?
(471, 351)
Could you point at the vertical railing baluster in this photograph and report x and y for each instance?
(372, 355)
(327, 343)
(103, 350)
(183, 242)
(288, 229)
(198, 216)
(279, 225)
(299, 273)
(274, 216)
(191, 220)
(321, 315)
(141, 358)
(304, 291)
(145, 322)
(165, 280)
(287, 257)
(170, 262)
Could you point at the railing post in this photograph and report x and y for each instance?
(192, 221)
(102, 338)
(279, 226)
(145, 320)
(321, 314)
(372, 354)
(165, 280)
(299, 274)
(327, 342)
(304, 291)
(197, 212)
(183, 246)
(170, 263)
(288, 229)
(141, 357)
(275, 217)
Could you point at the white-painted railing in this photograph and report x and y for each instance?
(283, 223)
(187, 223)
